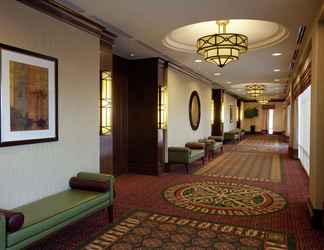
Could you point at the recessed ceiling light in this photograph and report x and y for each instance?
(276, 70)
(132, 54)
(217, 74)
(198, 61)
(277, 80)
(277, 54)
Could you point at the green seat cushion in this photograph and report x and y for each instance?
(217, 145)
(46, 213)
(196, 154)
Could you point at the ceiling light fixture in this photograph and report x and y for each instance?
(198, 61)
(217, 74)
(277, 54)
(277, 80)
(228, 82)
(255, 90)
(263, 100)
(222, 48)
(276, 70)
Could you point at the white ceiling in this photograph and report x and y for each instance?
(141, 26)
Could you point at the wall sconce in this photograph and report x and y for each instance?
(162, 107)
(212, 117)
(222, 113)
(105, 103)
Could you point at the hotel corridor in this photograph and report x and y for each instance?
(275, 207)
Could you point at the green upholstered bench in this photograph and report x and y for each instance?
(54, 212)
(184, 155)
(232, 135)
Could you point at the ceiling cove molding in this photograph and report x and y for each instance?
(189, 72)
(68, 15)
(232, 94)
(272, 100)
(180, 67)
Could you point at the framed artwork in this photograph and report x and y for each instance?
(28, 97)
(194, 110)
(231, 114)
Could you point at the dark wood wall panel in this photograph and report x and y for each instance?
(239, 107)
(120, 114)
(106, 154)
(217, 127)
(142, 115)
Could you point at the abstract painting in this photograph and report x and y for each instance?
(28, 97)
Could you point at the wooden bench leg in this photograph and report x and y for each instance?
(167, 167)
(187, 168)
(111, 213)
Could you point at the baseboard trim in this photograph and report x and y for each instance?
(316, 216)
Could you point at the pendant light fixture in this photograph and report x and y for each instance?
(222, 48)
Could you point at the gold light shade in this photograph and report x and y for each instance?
(162, 107)
(263, 100)
(212, 111)
(222, 48)
(106, 103)
(255, 90)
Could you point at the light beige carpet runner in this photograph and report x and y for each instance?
(242, 165)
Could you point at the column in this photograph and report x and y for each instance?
(317, 126)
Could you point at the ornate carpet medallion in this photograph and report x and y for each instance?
(220, 198)
(147, 230)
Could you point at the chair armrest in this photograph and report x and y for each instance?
(99, 177)
(196, 145)
(179, 149)
(179, 154)
(3, 232)
(219, 138)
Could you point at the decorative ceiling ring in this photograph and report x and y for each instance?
(261, 34)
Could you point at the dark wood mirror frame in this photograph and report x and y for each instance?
(194, 117)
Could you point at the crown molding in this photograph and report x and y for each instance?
(67, 15)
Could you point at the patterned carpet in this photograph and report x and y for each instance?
(224, 198)
(147, 230)
(248, 166)
(262, 144)
(144, 192)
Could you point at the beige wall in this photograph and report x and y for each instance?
(279, 119)
(180, 87)
(30, 172)
(229, 100)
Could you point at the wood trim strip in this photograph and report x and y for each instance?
(305, 81)
(67, 15)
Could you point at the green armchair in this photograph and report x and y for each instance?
(185, 156)
(217, 138)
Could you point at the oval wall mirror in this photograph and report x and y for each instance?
(194, 110)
